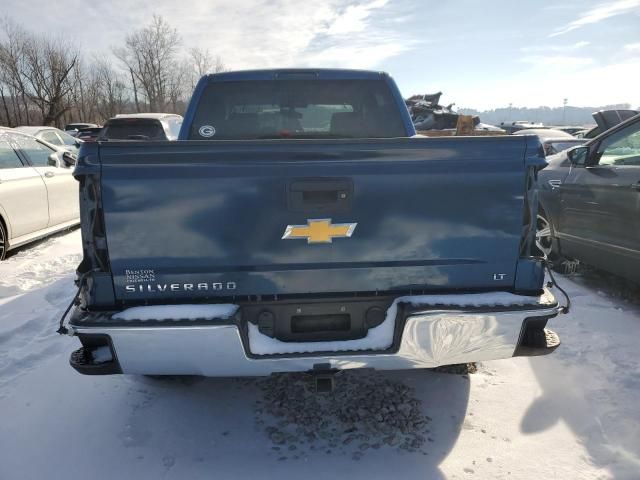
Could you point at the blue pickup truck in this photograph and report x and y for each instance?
(299, 224)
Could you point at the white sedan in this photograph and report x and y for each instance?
(38, 194)
(53, 136)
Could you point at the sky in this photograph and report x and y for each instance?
(481, 54)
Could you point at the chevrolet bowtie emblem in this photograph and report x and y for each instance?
(319, 231)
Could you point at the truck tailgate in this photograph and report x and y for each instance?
(201, 219)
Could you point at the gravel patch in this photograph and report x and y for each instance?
(365, 412)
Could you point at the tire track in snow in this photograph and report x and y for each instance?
(35, 287)
(33, 339)
(40, 317)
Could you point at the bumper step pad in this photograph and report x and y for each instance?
(82, 361)
(546, 341)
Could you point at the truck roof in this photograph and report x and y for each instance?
(297, 74)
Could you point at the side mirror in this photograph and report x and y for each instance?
(68, 159)
(578, 155)
(54, 160)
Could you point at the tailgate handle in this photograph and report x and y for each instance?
(320, 194)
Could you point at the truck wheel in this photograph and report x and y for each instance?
(544, 236)
(4, 242)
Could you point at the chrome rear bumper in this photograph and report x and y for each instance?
(428, 336)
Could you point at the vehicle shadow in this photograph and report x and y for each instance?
(189, 427)
(28, 324)
(609, 284)
(591, 382)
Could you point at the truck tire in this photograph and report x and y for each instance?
(546, 245)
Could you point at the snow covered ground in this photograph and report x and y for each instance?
(571, 415)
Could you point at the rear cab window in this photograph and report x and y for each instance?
(133, 129)
(254, 109)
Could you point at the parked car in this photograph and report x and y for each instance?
(590, 202)
(72, 128)
(553, 141)
(299, 225)
(606, 119)
(142, 126)
(586, 133)
(571, 130)
(520, 125)
(53, 136)
(89, 134)
(38, 194)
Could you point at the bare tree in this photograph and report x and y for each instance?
(84, 97)
(179, 87)
(43, 80)
(203, 63)
(150, 56)
(38, 70)
(135, 89)
(112, 96)
(5, 106)
(12, 64)
(48, 76)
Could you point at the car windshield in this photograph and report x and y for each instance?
(68, 139)
(297, 109)
(559, 146)
(51, 137)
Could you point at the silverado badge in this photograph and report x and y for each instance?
(319, 231)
